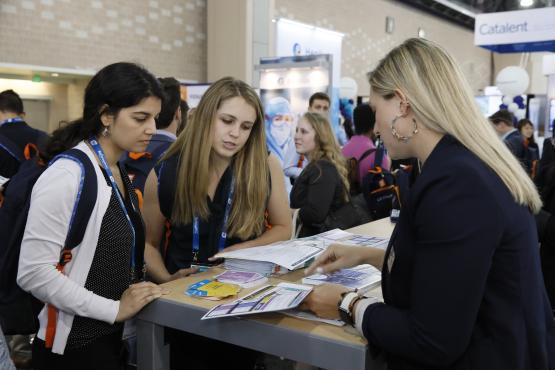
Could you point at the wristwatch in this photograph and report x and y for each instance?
(345, 306)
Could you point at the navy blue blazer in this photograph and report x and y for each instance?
(461, 277)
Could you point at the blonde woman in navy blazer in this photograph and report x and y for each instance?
(461, 277)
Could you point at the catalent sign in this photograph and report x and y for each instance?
(517, 31)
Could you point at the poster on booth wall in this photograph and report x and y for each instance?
(285, 94)
(192, 93)
(300, 40)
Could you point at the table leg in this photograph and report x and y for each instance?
(152, 352)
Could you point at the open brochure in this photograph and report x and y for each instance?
(344, 237)
(361, 278)
(291, 254)
(269, 298)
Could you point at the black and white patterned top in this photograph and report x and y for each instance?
(110, 272)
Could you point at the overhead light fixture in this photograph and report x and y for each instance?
(55, 74)
(389, 24)
(526, 3)
(421, 33)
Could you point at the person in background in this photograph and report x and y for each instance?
(215, 185)
(532, 154)
(547, 160)
(18, 142)
(464, 255)
(294, 163)
(364, 139)
(503, 123)
(15, 134)
(184, 116)
(322, 187)
(101, 287)
(139, 165)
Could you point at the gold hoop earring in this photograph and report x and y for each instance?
(402, 138)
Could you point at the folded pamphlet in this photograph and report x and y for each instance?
(269, 298)
(361, 278)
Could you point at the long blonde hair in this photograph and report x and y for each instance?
(327, 147)
(250, 165)
(442, 100)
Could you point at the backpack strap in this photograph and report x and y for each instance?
(86, 197)
(167, 176)
(84, 204)
(379, 155)
(366, 154)
(11, 148)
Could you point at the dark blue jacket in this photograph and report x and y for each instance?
(19, 135)
(515, 143)
(461, 279)
(139, 169)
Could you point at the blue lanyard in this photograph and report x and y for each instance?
(100, 153)
(11, 120)
(223, 234)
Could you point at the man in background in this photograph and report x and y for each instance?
(503, 123)
(16, 136)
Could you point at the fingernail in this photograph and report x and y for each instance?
(319, 270)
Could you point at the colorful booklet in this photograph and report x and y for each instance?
(212, 290)
(245, 279)
(269, 298)
(361, 278)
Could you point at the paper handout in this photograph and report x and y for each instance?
(269, 298)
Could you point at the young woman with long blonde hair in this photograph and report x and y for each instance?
(217, 188)
(323, 186)
(461, 276)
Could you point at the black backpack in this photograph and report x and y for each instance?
(19, 309)
(380, 189)
(11, 148)
(355, 187)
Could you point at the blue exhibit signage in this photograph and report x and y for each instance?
(516, 31)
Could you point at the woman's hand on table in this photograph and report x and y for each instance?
(136, 297)
(323, 300)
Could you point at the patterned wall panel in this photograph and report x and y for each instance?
(167, 36)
